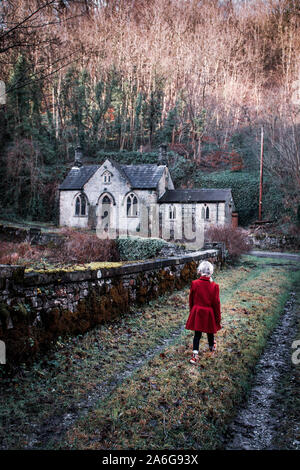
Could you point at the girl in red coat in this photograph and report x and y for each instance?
(205, 310)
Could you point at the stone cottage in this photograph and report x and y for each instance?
(140, 200)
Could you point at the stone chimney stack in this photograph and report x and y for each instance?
(78, 157)
(162, 158)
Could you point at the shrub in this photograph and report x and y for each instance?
(139, 248)
(79, 247)
(236, 239)
(14, 253)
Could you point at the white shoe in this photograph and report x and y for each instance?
(195, 358)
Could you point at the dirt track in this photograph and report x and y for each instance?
(257, 423)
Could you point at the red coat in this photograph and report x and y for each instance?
(205, 309)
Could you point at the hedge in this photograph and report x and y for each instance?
(135, 248)
(245, 191)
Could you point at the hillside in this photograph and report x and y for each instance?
(124, 77)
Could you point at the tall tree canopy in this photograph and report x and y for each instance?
(199, 75)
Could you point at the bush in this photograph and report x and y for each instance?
(236, 240)
(16, 253)
(139, 248)
(79, 247)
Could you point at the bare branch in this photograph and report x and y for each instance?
(27, 18)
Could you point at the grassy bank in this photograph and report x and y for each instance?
(288, 437)
(148, 395)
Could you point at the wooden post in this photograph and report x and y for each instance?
(261, 173)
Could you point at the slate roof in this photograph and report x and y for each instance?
(138, 176)
(77, 177)
(143, 176)
(195, 195)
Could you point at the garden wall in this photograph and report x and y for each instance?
(33, 235)
(265, 241)
(38, 307)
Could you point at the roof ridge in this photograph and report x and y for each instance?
(200, 189)
(142, 164)
(118, 166)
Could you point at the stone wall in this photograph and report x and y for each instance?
(37, 307)
(33, 235)
(266, 241)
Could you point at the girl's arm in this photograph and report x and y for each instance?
(191, 297)
(217, 305)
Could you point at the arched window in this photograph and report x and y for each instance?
(107, 177)
(172, 212)
(203, 213)
(80, 205)
(193, 218)
(106, 200)
(207, 213)
(132, 205)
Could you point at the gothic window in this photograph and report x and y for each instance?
(203, 213)
(107, 177)
(80, 205)
(106, 202)
(132, 205)
(172, 212)
(207, 213)
(194, 218)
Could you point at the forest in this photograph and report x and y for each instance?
(121, 77)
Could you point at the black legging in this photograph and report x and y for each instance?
(197, 337)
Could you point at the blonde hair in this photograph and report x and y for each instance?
(205, 268)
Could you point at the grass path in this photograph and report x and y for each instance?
(130, 383)
(258, 422)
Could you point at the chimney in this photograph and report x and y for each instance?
(78, 157)
(162, 158)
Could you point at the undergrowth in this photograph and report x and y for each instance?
(75, 247)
